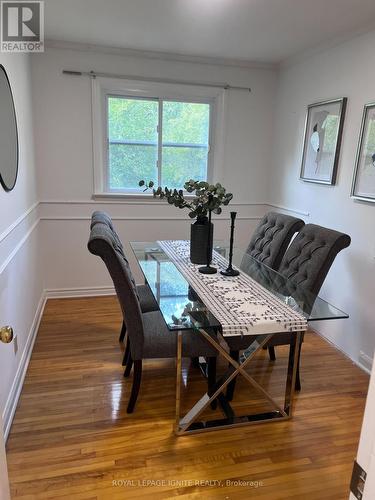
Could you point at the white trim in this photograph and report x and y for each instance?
(292, 210)
(14, 252)
(183, 219)
(367, 361)
(140, 199)
(164, 56)
(15, 391)
(88, 291)
(129, 199)
(98, 134)
(357, 363)
(18, 221)
(148, 198)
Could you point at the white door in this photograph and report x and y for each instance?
(366, 448)
(4, 483)
(6, 335)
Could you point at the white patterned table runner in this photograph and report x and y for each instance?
(240, 304)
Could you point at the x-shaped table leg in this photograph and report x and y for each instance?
(182, 425)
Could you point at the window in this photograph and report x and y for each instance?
(132, 142)
(152, 131)
(155, 139)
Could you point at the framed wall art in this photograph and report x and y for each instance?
(363, 187)
(322, 142)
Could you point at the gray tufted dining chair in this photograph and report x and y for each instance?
(146, 297)
(268, 244)
(311, 255)
(148, 334)
(271, 238)
(306, 264)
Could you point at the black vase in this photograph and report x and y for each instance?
(199, 239)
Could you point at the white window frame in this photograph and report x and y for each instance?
(102, 88)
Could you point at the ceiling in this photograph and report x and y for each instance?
(268, 31)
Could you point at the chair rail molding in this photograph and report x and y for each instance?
(48, 213)
(145, 200)
(17, 248)
(137, 209)
(18, 221)
(291, 210)
(13, 238)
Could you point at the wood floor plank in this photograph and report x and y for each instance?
(72, 438)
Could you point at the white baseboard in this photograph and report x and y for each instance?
(366, 363)
(65, 293)
(15, 391)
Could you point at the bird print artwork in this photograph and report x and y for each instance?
(318, 136)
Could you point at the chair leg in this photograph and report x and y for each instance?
(298, 379)
(211, 379)
(195, 362)
(129, 365)
(271, 352)
(137, 377)
(232, 384)
(123, 332)
(125, 359)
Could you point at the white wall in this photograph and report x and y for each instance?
(346, 70)
(21, 281)
(64, 157)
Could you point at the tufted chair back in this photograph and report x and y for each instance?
(102, 242)
(272, 237)
(99, 217)
(311, 254)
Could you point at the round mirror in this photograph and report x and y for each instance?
(8, 134)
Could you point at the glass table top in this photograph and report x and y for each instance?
(182, 308)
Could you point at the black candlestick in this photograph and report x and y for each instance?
(230, 271)
(208, 269)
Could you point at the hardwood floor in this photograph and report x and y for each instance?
(71, 436)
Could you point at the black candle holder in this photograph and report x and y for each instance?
(208, 269)
(229, 270)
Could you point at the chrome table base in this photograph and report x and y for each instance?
(190, 422)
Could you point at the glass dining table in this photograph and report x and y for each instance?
(184, 311)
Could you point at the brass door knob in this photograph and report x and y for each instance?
(6, 334)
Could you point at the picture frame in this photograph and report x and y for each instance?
(322, 141)
(363, 185)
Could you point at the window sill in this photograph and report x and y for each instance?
(133, 197)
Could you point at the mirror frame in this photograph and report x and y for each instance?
(2, 182)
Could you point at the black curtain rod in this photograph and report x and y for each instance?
(94, 74)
